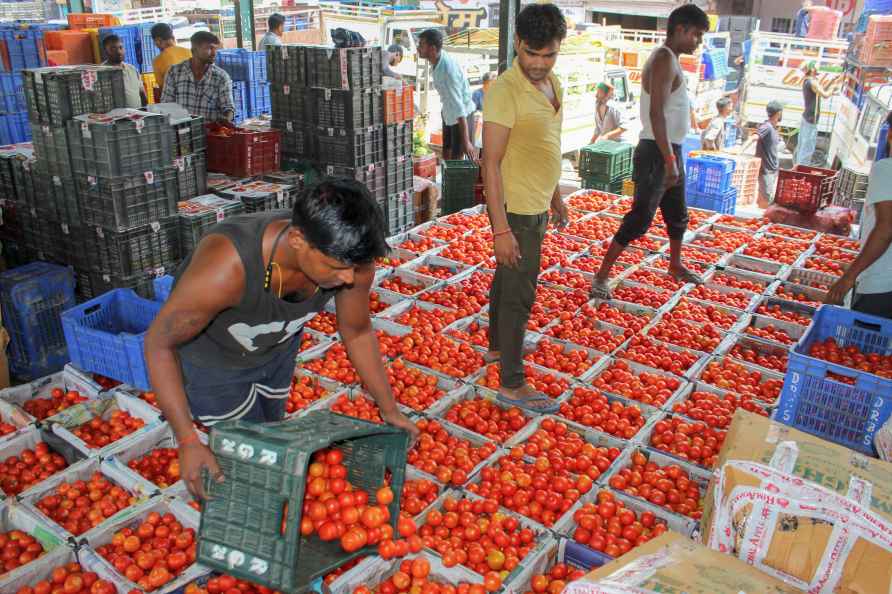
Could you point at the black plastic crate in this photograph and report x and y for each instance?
(57, 198)
(49, 241)
(352, 108)
(400, 175)
(289, 104)
(96, 283)
(23, 181)
(191, 173)
(399, 212)
(459, 179)
(350, 148)
(287, 65)
(292, 178)
(119, 143)
(297, 142)
(51, 148)
(149, 248)
(345, 68)
(199, 214)
(259, 196)
(373, 177)
(399, 140)
(124, 202)
(189, 136)
(60, 93)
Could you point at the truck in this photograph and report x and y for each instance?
(581, 65)
(384, 26)
(856, 133)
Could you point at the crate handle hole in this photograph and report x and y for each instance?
(93, 309)
(870, 326)
(283, 525)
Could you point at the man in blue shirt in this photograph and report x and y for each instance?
(455, 96)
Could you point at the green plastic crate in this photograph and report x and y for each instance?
(265, 467)
(459, 179)
(615, 187)
(606, 161)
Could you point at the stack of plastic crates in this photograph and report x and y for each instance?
(286, 72)
(605, 165)
(805, 188)
(24, 48)
(266, 468)
(851, 190)
(240, 101)
(32, 297)
(715, 63)
(708, 183)
(16, 189)
(250, 68)
(400, 205)
(746, 178)
(876, 43)
(459, 179)
(201, 213)
(835, 402)
(55, 95)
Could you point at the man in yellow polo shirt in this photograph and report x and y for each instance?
(171, 54)
(522, 169)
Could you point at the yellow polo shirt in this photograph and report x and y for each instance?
(171, 56)
(531, 167)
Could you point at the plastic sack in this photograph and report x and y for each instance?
(832, 219)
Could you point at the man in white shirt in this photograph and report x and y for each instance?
(713, 138)
(608, 119)
(393, 55)
(871, 272)
(275, 30)
(134, 91)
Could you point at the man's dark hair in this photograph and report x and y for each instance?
(109, 39)
(687, 16)
(722, 103)
(340, 218)
(774, 107)
(432, 37)
(275, 21)
(204, 37)
(538, 25)
(395, 49)
(162, 31)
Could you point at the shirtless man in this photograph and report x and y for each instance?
(658, 167)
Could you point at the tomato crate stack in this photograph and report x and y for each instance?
(839, 383)
(251, 525)
(806, 189)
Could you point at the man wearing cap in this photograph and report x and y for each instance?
(808, 126)
(608, 119)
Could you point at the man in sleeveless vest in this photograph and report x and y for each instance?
(658, 166)
(223, 346)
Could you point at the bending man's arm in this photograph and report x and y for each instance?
(877, 244)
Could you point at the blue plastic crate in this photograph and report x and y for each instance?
(258, 100)
(14, 128)
(148, 50)
(106, 335)
(240, 100)
(163, 285)
(691, 143)
(132, 39)
(32, 297)
(730, 134)
(12, 93)
(708, 174)
(849, 415)
(722, 203)
(580, 555)
(24, 47)
(242, 64)
(716, 62)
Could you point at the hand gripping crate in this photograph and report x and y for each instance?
(287, 65)
(146, 249)
(60, 93)
(350, 148)
(105, 335)
(805, 188)
(124, 202)
(198, 215)
(121, 142)
(242, 153)
(352, 108)
(343, 68)
(191, 174)
(32, 297)
(250, 524)
(606, 161)
(243, 65)
(847, 412)
(709, 174)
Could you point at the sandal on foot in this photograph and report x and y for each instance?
(688, 277)
(600, 290)
(538, 404)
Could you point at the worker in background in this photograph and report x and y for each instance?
(171, 54)
(658, 165)
(275, 30)
(608, 119)
(455, 95)
(392, 58)
(766, 151)
(200, 86)
(802, 20)
(522, 113)
(713, 138)
(223, 345)
(808, 126)
(871, 272)
(134, 91)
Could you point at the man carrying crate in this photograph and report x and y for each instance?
(658, 165)
(522, 115)
(223, 347)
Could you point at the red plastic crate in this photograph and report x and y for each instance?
(242, 153)
(805, 188)
(425, 166)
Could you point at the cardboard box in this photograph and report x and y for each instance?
(672, 563)
(809, 512)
